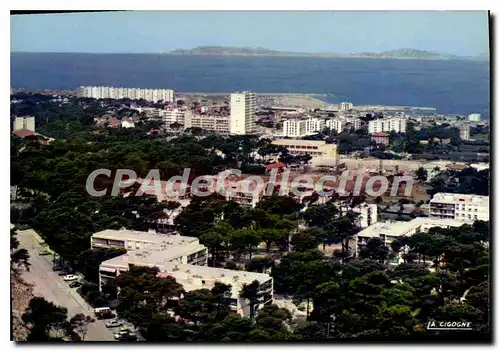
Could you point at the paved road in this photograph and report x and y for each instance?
(52, 287)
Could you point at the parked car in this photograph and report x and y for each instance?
(70, 277)
(63, 273)
(75, 284)
(128, 337)
(103, 313)
(125, 335)
(114, 323)
(44, 253)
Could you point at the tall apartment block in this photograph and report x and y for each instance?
(242, 113)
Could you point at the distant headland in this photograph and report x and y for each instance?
(260, 51)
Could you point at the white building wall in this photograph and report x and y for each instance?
(335, 124)
(397, 124)
(242, 113)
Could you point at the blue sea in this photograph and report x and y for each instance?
(452, 87)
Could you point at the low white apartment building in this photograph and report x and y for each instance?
(355, 122)
(213, 123)
(173, 115)
(135, 240)
(315, 148)
(388, 231)
(474, 117)
(340, 123)
(368, 213)
(462, 207)
(336, 124)
(244, 192)
(192, 277)
(300, 127)
(396, 124)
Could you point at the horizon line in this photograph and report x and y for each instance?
(243, 47)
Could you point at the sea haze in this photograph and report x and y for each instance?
(454, 86)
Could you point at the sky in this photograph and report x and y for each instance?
(456, 32)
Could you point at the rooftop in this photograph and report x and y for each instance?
(22, 133)
(157, 255)
(461, 198)
(298, 141)
(403, 228)
(125, 234)
(191, 276)
(380, 134)
(276, 165)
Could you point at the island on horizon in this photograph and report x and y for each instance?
(260, 51)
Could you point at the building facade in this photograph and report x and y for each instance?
(242, 119)
(27, 123)
(193, 277)
(380, 138)
(154, 95)
(300, 127)
(396, 124)
(474, 117)
(389, 231)
(336, 124)
(346, 106)
(465, 132)
(461, 207)
(213, 123)
(315, 148)
(173, 115)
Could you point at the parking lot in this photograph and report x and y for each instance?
(52, 287)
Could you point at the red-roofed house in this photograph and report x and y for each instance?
(380, 138)
(23, 133)
(113, 123)
(275, 165)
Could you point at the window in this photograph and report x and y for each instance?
(116, 242)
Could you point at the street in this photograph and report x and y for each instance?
(49, 285)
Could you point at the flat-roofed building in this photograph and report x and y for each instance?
(245, 192)
(302, 126)
(211, 122)
(388, 231)
(474, 117)
(315, 148)
(336, 124)
(462, 207)
(166, 95)
(134, 240)
(173, 115)
(396, 124)
(192, 277)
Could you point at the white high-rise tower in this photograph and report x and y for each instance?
(242, 113)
